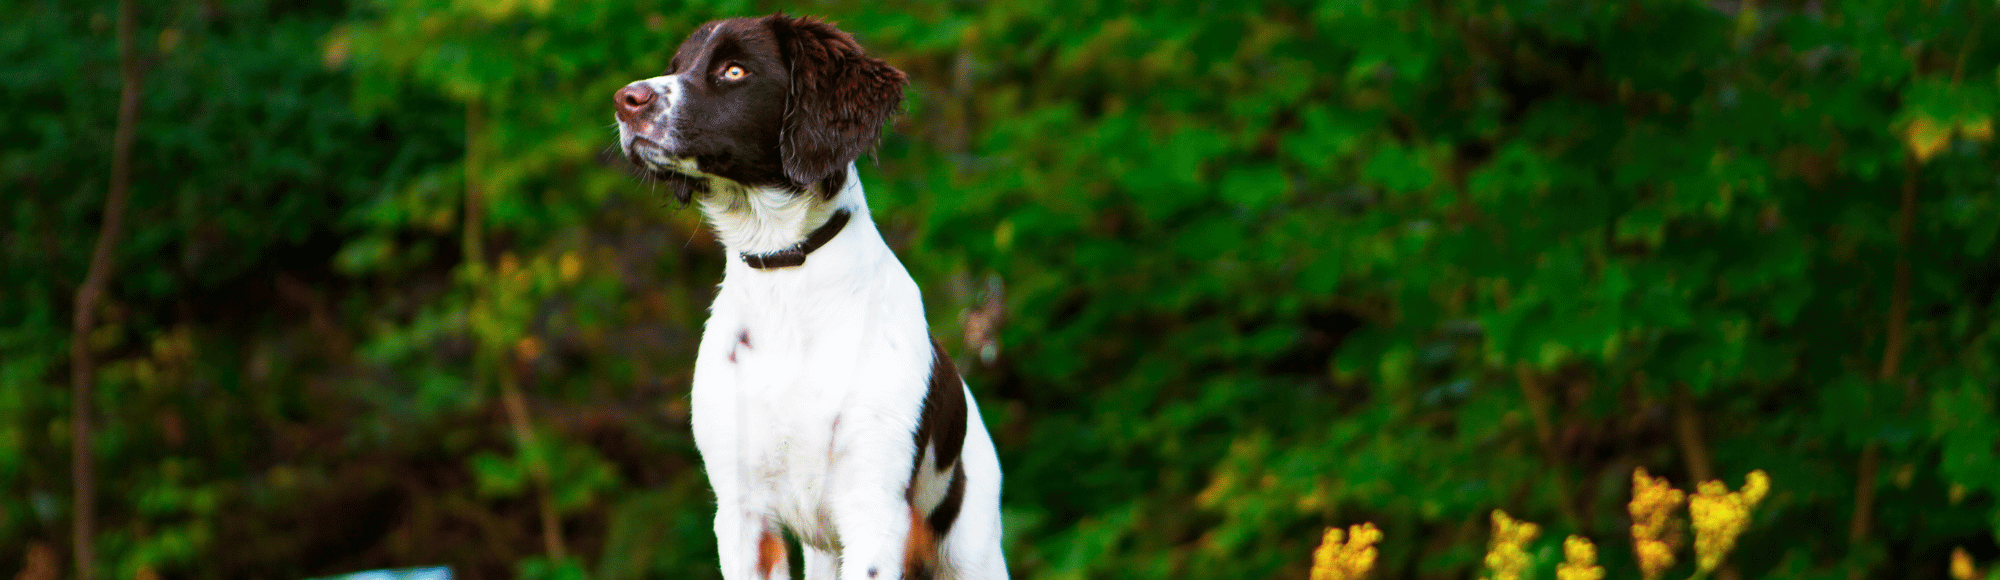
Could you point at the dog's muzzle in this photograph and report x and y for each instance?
(638, 104)
(643, 109)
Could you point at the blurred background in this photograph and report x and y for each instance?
(1222, 274)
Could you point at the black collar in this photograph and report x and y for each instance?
(796, 255)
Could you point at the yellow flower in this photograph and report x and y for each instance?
(1653, 501)
(1654, 557)
(1505, 556)
(1755, 486)
(1719, 517)
(1580, 561)
(1346, 556)
(1961, 565)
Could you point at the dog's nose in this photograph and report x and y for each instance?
(634, 98)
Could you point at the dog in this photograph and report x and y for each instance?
(821, 404)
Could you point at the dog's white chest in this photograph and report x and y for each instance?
(780, 421)
(785, 421)
(796, 369)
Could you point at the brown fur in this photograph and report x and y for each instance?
(920, 555)
(770, 554)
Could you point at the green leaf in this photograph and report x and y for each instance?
(498, 476)
(1399, 169)
(1256, 186)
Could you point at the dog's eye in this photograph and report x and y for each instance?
(734, 73)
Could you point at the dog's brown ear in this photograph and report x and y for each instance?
(838, 101)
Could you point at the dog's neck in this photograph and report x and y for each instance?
(760, 220)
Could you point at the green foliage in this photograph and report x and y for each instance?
(1264, 267)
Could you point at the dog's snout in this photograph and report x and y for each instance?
(633, 100)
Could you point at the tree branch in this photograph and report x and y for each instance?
(1687, 428)
(511, 399)
(83, 370)
(1892, 360)
(1538, 408)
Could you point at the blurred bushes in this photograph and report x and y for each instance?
(1232, 273)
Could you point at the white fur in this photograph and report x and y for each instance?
(671, 90)
(809, 426)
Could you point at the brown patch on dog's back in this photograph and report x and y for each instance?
(940, 440)
(947, 509)
(942, 420)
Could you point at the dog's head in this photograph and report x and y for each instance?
(771, 102)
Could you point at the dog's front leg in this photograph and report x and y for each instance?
(820, 564)
(749, 544)
(874, 527)
(869, 485)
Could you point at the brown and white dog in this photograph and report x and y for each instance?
(821, 404)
